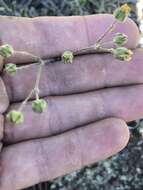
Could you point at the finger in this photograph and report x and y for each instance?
(67, 112)
(31, 162)
(50, 36)
(87, 73)
(4, 100)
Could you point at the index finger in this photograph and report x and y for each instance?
(50, 36)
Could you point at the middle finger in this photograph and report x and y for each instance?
(67, 112)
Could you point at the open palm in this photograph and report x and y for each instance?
(89, 101)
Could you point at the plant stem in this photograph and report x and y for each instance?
(27, 66)
(109, 29)
(91, 49)
(36, 87)
(97, 48)
(26, 100)
(107, 43)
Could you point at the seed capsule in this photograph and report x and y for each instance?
(15, 117)
(10, 69)
(122, 54)
(122, 12)
(120, 39)
(67, 57)
(6, 50)
(39, 105)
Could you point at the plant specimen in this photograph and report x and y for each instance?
(39, 104)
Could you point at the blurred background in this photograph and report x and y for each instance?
(125, 170)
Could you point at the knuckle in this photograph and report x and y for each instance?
(73, 152)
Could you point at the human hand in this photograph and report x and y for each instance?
(68, 135)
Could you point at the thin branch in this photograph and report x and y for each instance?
(36, 88)
(26, 100)
(109, 29)
(91, 49)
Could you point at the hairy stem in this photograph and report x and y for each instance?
(36, 87)
(92, 49)
(109, 29)
(26, 100)
(97, 48)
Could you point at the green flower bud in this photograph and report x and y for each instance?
(120, 39)
(122, 12)
(67, 57)
(39, 105)
(6, 50)
(122, 54)
(15, 117)
(10, 69)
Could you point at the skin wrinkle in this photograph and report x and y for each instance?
(73, 150)
(64, 82)
(102, 106)
(86, 31)
(42, 164)
(44, 39)
(103, 82)
(81, 157)
(53, 117)
(61, 115)
(49, 76)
